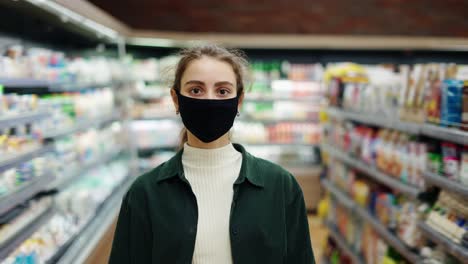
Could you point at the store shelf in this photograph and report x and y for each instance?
(24, 193)
(18, 159)
(25, 83)
(375, 120)
(9, 246)
(383, 232)
(444, 133)
(82, 125)
(373, 172)
(9, 121)
(92, 233)
(446, 184)
(461, 253)
(83, 169)
(74, 87)
(341, 242)
(342, 198)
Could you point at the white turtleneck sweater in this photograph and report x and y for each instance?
(212, 173)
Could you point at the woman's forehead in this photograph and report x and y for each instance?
(209, 69)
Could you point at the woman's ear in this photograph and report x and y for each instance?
(175, 100)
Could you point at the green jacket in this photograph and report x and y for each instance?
(268, 222)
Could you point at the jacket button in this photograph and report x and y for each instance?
(234, 231)
(192, 230)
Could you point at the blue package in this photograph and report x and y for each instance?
(451, 103)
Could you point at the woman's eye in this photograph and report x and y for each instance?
(224, 91)
(195, 91)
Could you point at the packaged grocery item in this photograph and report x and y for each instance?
(402, 158)
(451, 103)
(464, 166)
(421, 165)
(434, 158)
(393, 165)
(433, 95)
(451, 160)
(465, 107)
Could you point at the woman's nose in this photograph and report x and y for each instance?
(211, 94)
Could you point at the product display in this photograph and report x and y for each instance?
(12, 227)
(55, 66)
(69, 109)
(381, 126)
(17, 177)
(395, 212)
(392, 152)
(431, 93)
(76, 206)
(448, 216)
(74, 152)
(66, 153)
(12, 104)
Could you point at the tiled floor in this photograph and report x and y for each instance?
(318, 236)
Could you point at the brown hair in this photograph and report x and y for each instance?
(235, 58)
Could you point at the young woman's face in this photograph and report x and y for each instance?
(209, 78)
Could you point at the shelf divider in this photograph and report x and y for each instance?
(461, 253)
(25, 156)
(24, 193)
(7, 121)
(446, 184)
(430, 130)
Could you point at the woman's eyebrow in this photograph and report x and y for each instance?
(195, 82)
(223, 83)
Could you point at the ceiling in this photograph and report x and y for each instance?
(333, 17)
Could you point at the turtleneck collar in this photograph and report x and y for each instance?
(209, 158)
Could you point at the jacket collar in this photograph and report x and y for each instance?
(174, 168)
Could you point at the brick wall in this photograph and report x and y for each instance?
(354, 17)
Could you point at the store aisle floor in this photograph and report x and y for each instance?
(318, 236)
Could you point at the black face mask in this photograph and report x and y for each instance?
(207, 119)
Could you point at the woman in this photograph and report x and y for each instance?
(212, 202)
